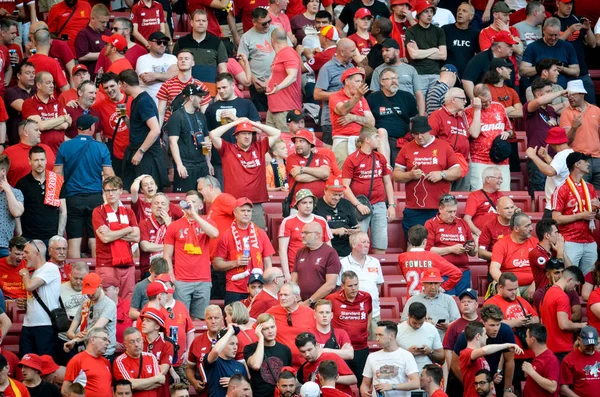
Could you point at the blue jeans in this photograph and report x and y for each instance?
(463, 284)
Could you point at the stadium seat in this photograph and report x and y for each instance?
(394, 286)
(390, 308)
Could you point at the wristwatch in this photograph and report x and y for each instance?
(310, 300)
(142, 150)
(444, 175)
(394, 386)
(509, 389)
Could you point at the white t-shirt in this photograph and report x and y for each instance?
(426, 335)
(370, 277)
(49, 293)
(104, 308)
(391, 367)
(597, 28)
(442, 17)
(559, 163)
(149, 64)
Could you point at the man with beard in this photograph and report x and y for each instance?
(266, 358)
(577, 369)
(68, 18)
(483, 383)
(286, 384)
(114, 50)
(11, 284)
(86, 96)
(79, 74)
(14, 97)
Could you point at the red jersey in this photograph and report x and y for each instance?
(565, 202)
(221, 212)
(548, 366)
(451, 128)
(594, 298)
(91, 372)
(351, 129)
(353, 317)
(201, 346)
(341, 336)
(513, 311)
(34, 106)
(479, 207)
(60, 13)
(261, 303)
(556, 300)
(149, 231)
(494, 122)
(514, 258)
(359, 168)
(311, 370)
(4, 64)
(316, 187)
(147, 18)
(22, 390)
(3, 113)
(363, 45)
(302, 320)
(578, 371)
(11, 5)
(415, 261)
(438, 155)
(11, 282)
(103, 251)
(291, 96)
(228, 250)
(43, 63)
(245, 7)
(174, 86)
(469, 368)
(321, 58)
(164, 352)
(18, 154)
(126, 367)
(492, 232)
(441, 234)
(190, 267)
(109, 117)
(123, 319)
(328, 391)
(538, 257)
(244, 171)
(291, 227)
(182, 324)
(213, 22)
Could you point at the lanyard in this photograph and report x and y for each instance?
(192, 131)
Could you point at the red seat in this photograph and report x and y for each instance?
(539, 199)
(396, 239)
(389, 264)
(394, 286)
(390, 308)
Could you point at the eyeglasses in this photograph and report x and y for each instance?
(35, 245)
(461, 98)
(162, 42)
(111, 191)
(289, 319)
(447, 198)
(265, 23)
(104, 338)
(482, 383)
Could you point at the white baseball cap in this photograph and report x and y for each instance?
(576, 87)
(310, 389)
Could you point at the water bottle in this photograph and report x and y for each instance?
(184, 204)
(246, 246)
(99, 76)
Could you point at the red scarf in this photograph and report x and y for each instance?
(397, 35)
(54, 184)
(85, 314)
(585, 203)
(256, 260)
(120, 250)
(161, 231)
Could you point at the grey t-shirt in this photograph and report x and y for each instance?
(257, 48)
(139, 297)
(104, 308)
(408, 78)
(528, 34)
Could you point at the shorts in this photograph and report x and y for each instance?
(80, 208)
(194, 295)
(181, 185)
(277, 120)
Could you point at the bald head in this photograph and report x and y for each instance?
(271, 274)
(506, 208)
(278, 35)
(42, 37)
(344, 45)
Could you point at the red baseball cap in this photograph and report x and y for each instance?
(154, 314)
(48, 365)
(91, 282)
(165, 278)
(32, 361)
(352, 72)
(306, 135)
(431, 275)
(243, 201)
(423, 5)
(78, 68)
(243, 127)
(557, 136)
(504, 37)
(116, 40)
(335, 183)
(399, 2)
(155, 288)
(363, 13)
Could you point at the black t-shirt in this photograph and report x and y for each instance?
(39, 221)
(461, 45)
(378, 9)
(576, 40)
(340, 216)
(375, 57)
(240, 106)
(480, 64)
(381, 106)
(44, 389)
(191, 130)
(426, 38)
(264, 381)
(143, 108)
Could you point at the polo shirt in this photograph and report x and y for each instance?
(11, 282)
(343, 215)
(451, 128)
(208, 54)
(59, 15)
(38, 221)
(147, 19)
(441, 307)
(479, 65)
(88, 41)
(93, 372)
(87, 177)
(330, 80)
(34, 106)
(586, 140)
(200, 347)
(18, 155)
(443, 234)
(562, 50)
(77, 112)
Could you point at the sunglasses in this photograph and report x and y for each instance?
(162, 42)
(265, 23)
(289, 319)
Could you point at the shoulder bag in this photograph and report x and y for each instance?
(60, 319)
(489, 200)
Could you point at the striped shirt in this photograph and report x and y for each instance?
(435, 96)
(127, 367)
(173, 87)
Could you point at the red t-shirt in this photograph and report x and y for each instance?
(244, 171)
(492, 232)
(34, 106)
(189, 267)
(213, 23)
(118, 66)
(8, 392)
(538, 257)
(578, 370)
(439, 393)
(291, 227)
(351, 129)
(441, 234)
(565, 202)
(246, 7)
(316, 187)
(94, 371)
(245, 338)
(221, 212)
(469, 368)
(103, 251)
(60, 51)
(359, 168)
(147, 18)
(494, 122)
(328, 391)
(59, 14)
(126, 367)
(311, 370)
(302, 320)
(353, 317)
(512, 311)
(417, 260)
(363, 45)
(183, 323)
(594, 298)
(11, 282)
(226, 248)
(548, 366)
(450, 128)
(514, 258)
(556, 300)
(109, 118)
(438, 155)
(291, 96)
(261, 303)
(341, 336)
(479, 207)
(321, 58)
(43, 63)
